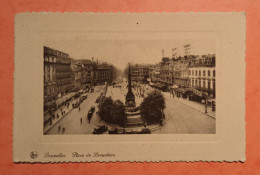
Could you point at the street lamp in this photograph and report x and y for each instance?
(206, 105)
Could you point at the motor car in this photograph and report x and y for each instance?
(145, 131)
(113, 131)
(129, 131)
(100, 130)
(92, 109)
(120, 131)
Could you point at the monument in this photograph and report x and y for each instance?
(130, 98)
(133, 113)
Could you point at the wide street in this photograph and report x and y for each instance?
(71, 121)
(183, 119)
(180, 118)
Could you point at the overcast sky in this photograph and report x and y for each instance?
(120, 52)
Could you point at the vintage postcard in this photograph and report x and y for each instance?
(129, 87)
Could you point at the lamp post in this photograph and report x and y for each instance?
(206, 105)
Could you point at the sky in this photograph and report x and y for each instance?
(120, 52)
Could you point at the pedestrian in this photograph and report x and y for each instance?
(59, 128)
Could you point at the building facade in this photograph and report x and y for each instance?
(202, 75)
(57, 75)
(102, 73)
(180, 69)
(166, 72)
(139, 73)
(87, 71)
(77, 75)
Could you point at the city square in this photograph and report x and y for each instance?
(75, 90)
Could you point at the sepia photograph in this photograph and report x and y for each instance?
(129, 86)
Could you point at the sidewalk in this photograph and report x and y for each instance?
(58, 111)
(193, 104)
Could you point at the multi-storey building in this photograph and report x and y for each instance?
(180, 69)
(50, 84)
(57, 75)
(102, 73)
(154, 73)
(139, 73)
(87, 71)
(166, 71)
(77, 75)
(202, 75)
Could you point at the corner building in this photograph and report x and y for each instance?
(57, 75)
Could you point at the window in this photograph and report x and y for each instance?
(189, 72)
(192, 72)
(196, 72)
(213, 73)
(199, 73)
(204, 73)
(209, 73)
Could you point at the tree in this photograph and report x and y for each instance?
(115, 73)
(105, 109)
(119, 115)
(112, 111)
(152, 107)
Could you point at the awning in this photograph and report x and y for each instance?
(65, 98)
(197, 92)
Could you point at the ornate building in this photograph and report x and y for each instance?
(77, 75)
(57, 75)
(180, 68)
(139, 73)
(102, 73)
(202, 75)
